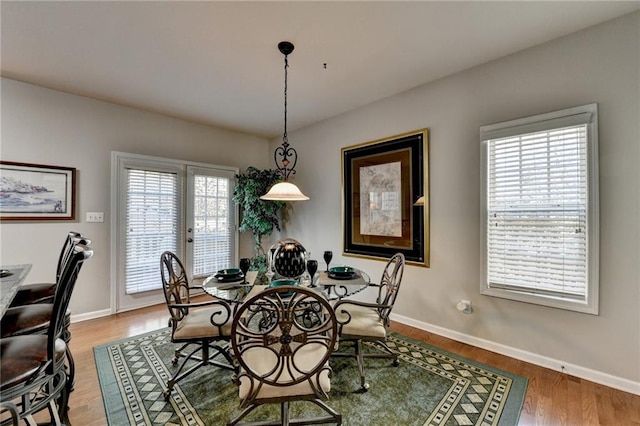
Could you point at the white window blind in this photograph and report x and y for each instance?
(213, 235)
(538, 205)
(537, 212)
(152, 224)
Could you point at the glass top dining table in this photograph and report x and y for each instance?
(236, 291)
(11, 276)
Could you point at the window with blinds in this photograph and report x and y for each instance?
(151, 226)
(540, 202)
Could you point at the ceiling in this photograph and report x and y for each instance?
(217, 63)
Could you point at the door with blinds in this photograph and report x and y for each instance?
(160, 205)
(211, 237)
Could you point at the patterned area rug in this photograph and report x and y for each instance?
(430, 387)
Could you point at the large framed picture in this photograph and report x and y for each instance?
(386, 198)
(37, 192)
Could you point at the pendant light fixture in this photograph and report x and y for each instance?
(285, 190)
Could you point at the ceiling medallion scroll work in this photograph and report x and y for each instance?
(285, 190)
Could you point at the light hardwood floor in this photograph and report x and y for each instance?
(552, 398)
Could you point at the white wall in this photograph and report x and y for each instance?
(48, 127)
(599, 65)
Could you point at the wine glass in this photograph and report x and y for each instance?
(312, 267)
(328, 255)
(245, 264)
(270, 254)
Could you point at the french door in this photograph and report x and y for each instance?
(161, 204)
(210, 221)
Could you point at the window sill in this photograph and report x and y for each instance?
(543, 300)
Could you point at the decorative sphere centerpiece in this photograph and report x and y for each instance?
(289, 258)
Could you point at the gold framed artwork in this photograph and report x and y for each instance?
(381, 182)
(37, 192)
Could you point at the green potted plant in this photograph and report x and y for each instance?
(260, 217)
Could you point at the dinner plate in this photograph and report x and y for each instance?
(280, 283)
(342, 271)
(283, 282)
(231, 272)
(228, 278)
(349, 276)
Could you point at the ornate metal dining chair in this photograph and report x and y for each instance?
(363, 321)
(33, 317)
(283, 338)
(207, 325)
(32, 367)
(44, 292)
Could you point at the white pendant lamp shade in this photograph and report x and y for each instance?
(284, 191)
(419, 201)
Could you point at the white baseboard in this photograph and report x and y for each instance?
(620, 383)
(106, 312)
(90, 315)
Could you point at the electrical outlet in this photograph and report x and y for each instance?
(464, 306)
(95, 217)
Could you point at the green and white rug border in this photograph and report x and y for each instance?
(518, 386)
(107, 378)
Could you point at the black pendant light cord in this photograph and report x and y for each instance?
(285, 140)
(285, 151)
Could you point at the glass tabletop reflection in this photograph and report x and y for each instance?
(339, 287)
(230, 291)
(332, 287)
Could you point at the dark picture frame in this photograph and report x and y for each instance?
(37, 192)
(381, 182)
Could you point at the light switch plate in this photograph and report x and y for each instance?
(95, 217)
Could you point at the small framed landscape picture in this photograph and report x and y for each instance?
(36, 192)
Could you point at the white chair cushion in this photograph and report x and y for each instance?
(365, 322)
(198, 325)
(262, 361)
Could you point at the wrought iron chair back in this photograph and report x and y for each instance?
(175, 286)
(38, 293)
(282, 339)
(390, 285)
(33, 366)
(73, 238)
(32, 308)
(205, 324)
(66, 284)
